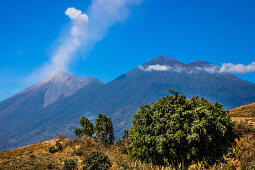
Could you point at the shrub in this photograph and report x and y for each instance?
(95, 161)
(124, 150)
(52, 149)
(59, 146)
(122, 165)
(50, 166)
(78, 152)
(56, 148)
(70, 164)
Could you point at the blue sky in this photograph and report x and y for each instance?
(215, 31)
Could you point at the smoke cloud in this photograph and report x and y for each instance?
(86, 30)
(76, 14)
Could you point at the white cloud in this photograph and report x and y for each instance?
(156, 67)
(238, 68)
(225, 68)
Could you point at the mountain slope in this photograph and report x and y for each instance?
(121, 97)
(17, 113)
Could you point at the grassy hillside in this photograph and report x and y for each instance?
(243, 111)
(244, 115)
(37, 156)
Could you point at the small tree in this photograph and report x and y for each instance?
(87, 128)
(97, 160)
(104, 129)
(178, 131)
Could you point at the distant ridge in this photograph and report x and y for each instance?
(164, 60)
(200, 63)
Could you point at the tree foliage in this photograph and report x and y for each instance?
(179, 131)
(87, 128)
(104, 129)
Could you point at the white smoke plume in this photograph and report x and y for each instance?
(86, 31)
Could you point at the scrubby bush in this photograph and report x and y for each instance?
(50, 166)
(78, 152)
(95, 161)
(70, 164)
(56, 148)
(123, 166)
(52, 149)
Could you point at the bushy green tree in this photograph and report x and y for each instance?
(104, 129)
(178, 131)
(96, 161)
(87, 128)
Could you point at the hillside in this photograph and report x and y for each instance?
(244, 115)
(20, 111)
(243, 111)
(37, 156)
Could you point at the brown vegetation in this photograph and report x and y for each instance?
(37, 156)
(243, 111)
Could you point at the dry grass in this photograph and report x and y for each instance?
(244, 115)
(37, 156)
(243, 111)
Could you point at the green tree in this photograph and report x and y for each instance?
(87, 128)
(104, 129)
(178, 131)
